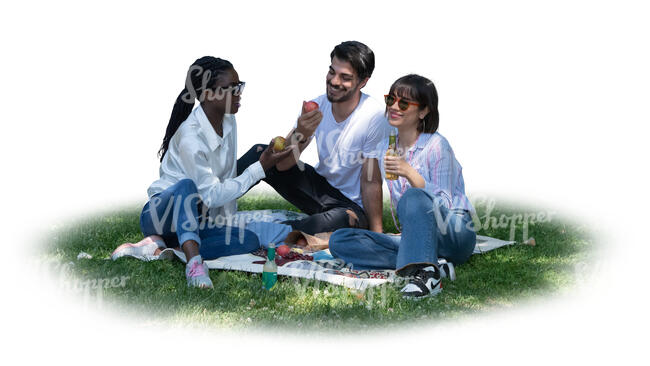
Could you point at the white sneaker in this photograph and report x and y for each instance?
(142, 250)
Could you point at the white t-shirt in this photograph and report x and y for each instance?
(342, 146)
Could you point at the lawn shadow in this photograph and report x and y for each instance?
(494, 280)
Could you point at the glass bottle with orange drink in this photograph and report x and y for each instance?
(392, 151)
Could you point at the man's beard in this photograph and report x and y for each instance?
(343, 98)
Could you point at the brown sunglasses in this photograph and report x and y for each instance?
(401, 103)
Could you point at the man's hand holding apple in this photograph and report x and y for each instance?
(308, 121)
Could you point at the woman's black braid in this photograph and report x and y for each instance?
(201, 76)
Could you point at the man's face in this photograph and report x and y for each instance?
(342, 81)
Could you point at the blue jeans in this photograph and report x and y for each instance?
(174, 215)
(429, 231)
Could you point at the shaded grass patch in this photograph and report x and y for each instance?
(494, 280)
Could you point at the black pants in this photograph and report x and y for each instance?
(327, 207)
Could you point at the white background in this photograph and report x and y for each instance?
(544, 103)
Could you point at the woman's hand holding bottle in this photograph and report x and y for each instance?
(397, 166)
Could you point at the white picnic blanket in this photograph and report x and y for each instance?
(325, 270)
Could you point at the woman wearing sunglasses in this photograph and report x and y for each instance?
(428, 194)
(198, 176)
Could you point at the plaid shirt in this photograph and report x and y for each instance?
(434, 159)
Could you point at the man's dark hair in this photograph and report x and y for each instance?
(358, 55)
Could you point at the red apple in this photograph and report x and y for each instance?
(310, 106)
(283, 250)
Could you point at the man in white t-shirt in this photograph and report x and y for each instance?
(344, 189)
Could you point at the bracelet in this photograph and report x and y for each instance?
(301, 141)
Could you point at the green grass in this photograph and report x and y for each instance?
(500, 279)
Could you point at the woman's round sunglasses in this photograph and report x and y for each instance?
(401, 103)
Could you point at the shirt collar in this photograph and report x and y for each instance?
(214, 140)
(421, 142)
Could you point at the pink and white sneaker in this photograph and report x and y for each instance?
(196, 272)
(145, 249)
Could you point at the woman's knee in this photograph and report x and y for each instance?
(186, 185)
(149, 211)
(414, 201)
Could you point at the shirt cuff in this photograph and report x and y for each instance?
(371, 155)
(256, 171)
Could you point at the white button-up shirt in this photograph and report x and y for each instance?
(198, 153)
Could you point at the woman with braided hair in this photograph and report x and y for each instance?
(198, 176)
